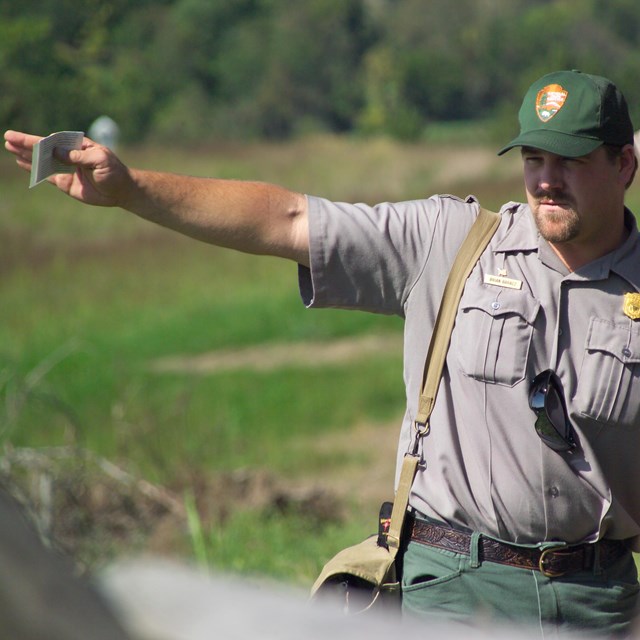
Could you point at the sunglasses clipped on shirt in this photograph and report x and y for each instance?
(547, 402)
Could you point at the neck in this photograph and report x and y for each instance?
(575, 254)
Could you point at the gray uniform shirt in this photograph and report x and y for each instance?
(485, 467)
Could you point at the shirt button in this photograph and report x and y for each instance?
(554, 492)
(626, 352)
(560, 332)
(495, 305)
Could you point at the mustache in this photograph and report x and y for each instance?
(552, 196)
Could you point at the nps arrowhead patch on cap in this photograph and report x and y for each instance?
(550, 100)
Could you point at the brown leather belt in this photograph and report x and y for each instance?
(552, 562)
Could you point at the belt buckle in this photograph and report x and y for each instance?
(550, 573)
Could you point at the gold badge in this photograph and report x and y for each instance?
(631, 306)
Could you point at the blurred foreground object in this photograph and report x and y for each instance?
(40, 596)
(105, 131)
(163, 600)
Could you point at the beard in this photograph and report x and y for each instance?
(557, 225)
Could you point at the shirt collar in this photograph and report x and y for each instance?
(522, 235)
(625, 260)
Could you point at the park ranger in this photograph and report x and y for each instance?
(527, 505)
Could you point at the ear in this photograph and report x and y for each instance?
(628, 164)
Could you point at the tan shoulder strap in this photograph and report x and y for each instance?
(474, 244)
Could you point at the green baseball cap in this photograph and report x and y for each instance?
(571, 113)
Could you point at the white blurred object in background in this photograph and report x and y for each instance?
(105, 131)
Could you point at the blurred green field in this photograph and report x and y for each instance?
(91, 298)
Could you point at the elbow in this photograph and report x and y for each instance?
(300, 231)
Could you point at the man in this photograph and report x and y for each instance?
(528, 501)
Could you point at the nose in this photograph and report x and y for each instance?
(550, 177)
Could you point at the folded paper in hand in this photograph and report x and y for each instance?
(44, 164)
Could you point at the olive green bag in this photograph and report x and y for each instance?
(368, 574)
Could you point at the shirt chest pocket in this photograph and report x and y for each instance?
(493, 333)
(610, 370)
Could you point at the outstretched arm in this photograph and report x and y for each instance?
(253, 217)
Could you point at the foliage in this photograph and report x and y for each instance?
(194, 70)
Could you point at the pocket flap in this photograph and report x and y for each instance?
(366, 561)
(497, 301)
(615, 339)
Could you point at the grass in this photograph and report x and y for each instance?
(99, 295)
(281, 546)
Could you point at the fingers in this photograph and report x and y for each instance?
(16, 140)
(64, 181)
(21, 145)
(24, 164)
(90, 156)
(99, 175)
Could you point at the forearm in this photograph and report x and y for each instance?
(253, 217)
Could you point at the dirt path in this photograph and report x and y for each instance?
(270, 357)
(371, 473)
(366, 477)
(370, 477)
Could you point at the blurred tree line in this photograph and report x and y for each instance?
(193, 70)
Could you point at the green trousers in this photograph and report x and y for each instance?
(447, 586)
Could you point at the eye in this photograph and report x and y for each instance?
(531, 159)
(576, 161)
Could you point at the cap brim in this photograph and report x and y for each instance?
(556, 142)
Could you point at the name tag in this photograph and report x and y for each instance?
(501, 281)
